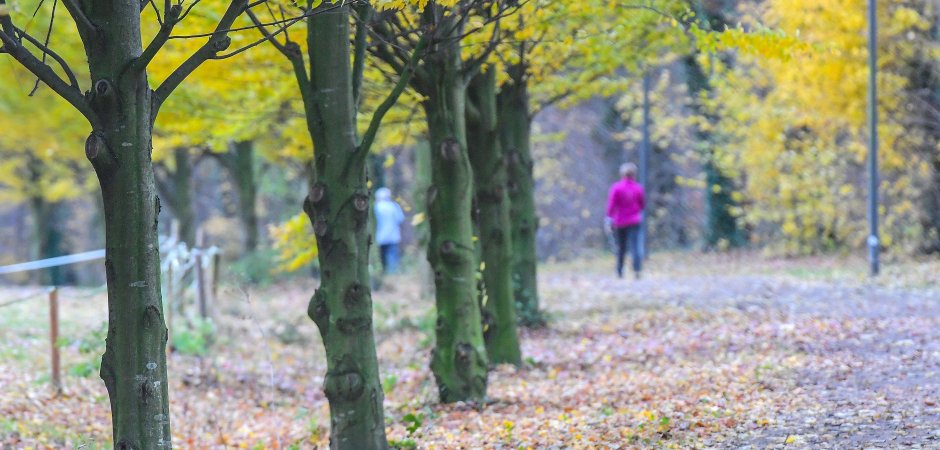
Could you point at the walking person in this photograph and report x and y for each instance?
(625, 204)
(388, 220)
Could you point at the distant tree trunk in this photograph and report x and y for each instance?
(339, 208)
(459, 359)
(422, 232)
(721, 227)
(176, 189)
(240, 164)
(490, 180)
(47, 236)
(930, 219)
(134, 364)
(515, 124)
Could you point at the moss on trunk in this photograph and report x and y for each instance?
(490, 180)
(459, 357)
(339, 208)
(515, 125)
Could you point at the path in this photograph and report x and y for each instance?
(869, 356)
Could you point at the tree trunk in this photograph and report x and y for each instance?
(490, 180)
(422, 232)
(176, 190)
(459, 357)
(722, 229)
(515, 125)
(243, 172)
(134, 364)
(45, 215)
(182, 203)
(338, 206)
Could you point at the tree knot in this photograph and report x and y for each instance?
(343, 386)
(450, 149)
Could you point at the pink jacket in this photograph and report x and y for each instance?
(625, 203)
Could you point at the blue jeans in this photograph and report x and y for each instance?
(628, 240)
(389, 253)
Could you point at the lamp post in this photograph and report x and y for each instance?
(873, 244)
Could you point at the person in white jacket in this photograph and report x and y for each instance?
(388, 220)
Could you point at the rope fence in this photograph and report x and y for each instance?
(178, 263)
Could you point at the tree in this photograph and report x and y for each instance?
(459, 360)
(36, 169)
(792, 110)
(239, 162)
(121, 108)
(175, 185)
(338, 207)
(492, 216)
(560, 53)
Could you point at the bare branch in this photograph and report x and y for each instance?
(272, 37)
(218, 41)
(65, 67)
(86, 29)
(363, 15)
(45, 73)
(369, 136)
(171, 18)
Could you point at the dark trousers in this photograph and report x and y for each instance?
(628, 240)
(389, 254)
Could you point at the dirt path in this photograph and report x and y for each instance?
(866, 359)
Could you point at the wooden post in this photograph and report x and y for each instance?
(54, 337)
(201, 289)
(216, 259)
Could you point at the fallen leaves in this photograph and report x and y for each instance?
(678, 360)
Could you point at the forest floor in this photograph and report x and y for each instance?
(706, 351)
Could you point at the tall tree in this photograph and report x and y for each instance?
(492, 216)
(121, 108)
(721, 225)
(239, 162)
(338, 206)
(175, 186)
(459, 360)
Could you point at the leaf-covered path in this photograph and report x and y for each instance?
(704, 352)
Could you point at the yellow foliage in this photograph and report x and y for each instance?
(295, 243)
(794, 114)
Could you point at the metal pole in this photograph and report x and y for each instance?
(873, 244)
(644, 157)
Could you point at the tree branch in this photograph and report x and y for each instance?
(71, 94)
(364, 14)
(218, 41)
(369, 136)
(170, 18)
(65, 67)
(86, 29)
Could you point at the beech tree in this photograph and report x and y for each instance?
(339, 208)
(459, 360)
(493, 222)
(121, 107)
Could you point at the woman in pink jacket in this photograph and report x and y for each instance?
(625, 205)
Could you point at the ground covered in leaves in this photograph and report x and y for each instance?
(706, 351)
